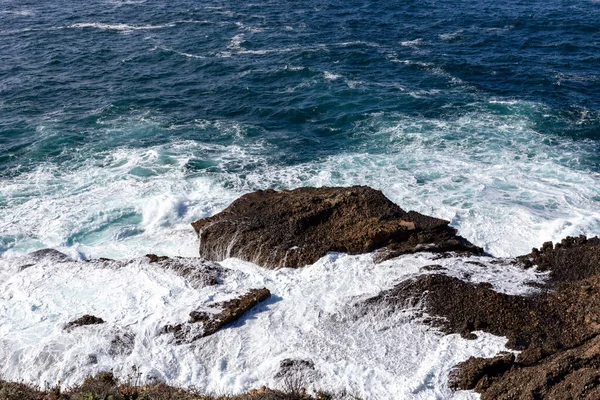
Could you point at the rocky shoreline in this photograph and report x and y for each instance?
(555, 329)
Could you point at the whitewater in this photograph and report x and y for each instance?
(129, 202)
(313, 314)
(122, 122)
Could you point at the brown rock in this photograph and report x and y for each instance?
(570, 374)
(293, 228)
(557, 329)
(573, 259)
(229, 311)
(478, 372)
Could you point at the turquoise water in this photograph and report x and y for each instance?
(123, 121)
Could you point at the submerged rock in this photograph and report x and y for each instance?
(292, 367)
(198, 272)
(122, 344)
(82, 321)
(293, 228)
(45, 254)
(204, 323)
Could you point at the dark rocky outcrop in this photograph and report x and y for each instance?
(205, 323)
(538, 325)
(476, 373)
(573, 259)
(45, 254)
(566, 375)
(293, 228)
(50, 254)
(556, 328)
(83, 321)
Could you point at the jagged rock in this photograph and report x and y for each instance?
(569, 374)
(293, 228)
(210, 322)
(82, 321)
(539, 325)
(573, 259)
(198, 272)
(152, 258)
(557, 329)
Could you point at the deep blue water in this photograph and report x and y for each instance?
(413, 97)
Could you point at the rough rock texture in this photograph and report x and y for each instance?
(82, 321)
(210, 322)
(198, 272)
(476, 373)
(538, 325)
(570, 374)
(293, 228)
(45, 254)
(573, 259)
(557, 329)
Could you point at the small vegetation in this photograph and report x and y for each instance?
(105, 386)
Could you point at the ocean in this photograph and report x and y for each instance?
(121, 122)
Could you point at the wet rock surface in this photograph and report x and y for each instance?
(83, 321)
(198, 272)
(555, 328)
(293, 228)
(296, 372)
(204, 323)
(49, 253)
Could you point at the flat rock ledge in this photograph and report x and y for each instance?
(557, 329)
(294, 228)
(203, 323)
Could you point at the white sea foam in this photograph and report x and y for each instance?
(22, 13)
(451, 35)
(118, 27)
(330, 76)
(501, 184)
(165, 48)
(412, 43)
(312, 315)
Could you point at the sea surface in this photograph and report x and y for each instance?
(121, 122)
